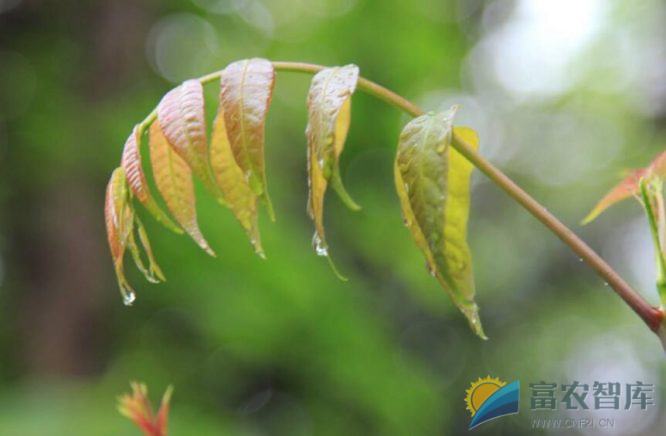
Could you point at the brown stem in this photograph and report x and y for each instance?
(652, 316)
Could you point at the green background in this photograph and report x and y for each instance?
(564, 96)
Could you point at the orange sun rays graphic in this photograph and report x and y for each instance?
(479, 392)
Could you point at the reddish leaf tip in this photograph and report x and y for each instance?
(138, 408)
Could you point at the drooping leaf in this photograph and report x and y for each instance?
(316, 190)
(629, 186)
(136, 256)
(230, 178)
(341, 129)
(433, 183)
(119, 219)
(246, 90)
(181, 115)
(329, 113)
(131, 163)
(137, 407)
(173, 178)
(121, 223)
(153, 273)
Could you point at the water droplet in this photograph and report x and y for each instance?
(580, 259)
(605, 284)
(129, 298)
(320, 247)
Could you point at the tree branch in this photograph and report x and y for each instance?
(652, 316)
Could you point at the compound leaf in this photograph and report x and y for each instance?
(131, 163)
(329, 113)
(230, 178)
(433, 184)
(246, 90)
(181, 115)
(173, 178)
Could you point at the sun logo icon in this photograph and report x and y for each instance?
(480, 390)
(489, 398)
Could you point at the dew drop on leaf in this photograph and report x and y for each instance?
(319, 245)
(129, 298)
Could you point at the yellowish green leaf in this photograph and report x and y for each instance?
(433, 183)
(329, 113)
(173, 178)
(230, 178)
(246, 90)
